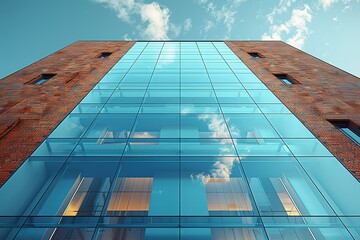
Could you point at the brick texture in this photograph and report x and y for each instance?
(29, 112)
(325, 92)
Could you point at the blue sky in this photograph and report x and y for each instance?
(31, 30)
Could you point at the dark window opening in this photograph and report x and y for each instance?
(286, 79)
(104, 55)
(43, 78)
(255, 55)
(350, 129)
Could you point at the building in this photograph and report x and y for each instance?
(180, 140)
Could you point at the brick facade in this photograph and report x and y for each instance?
(30, 112)
(324, 93)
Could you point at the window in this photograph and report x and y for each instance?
(43, 78)
(286, 79)
(350, 129)
(104, 55)
(255, 55)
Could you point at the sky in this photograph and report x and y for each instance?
(327, 29)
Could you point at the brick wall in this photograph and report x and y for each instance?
(29, 112)
(325, 92)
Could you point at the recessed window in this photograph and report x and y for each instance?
(286, 79)
(104, 55)
(43, 78)
(350, 129)
(255, 55)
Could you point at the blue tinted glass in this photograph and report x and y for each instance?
(333, 188)
(97, 96)
(162, 96)
(156, 126)
(261, 147)
(127, 96)
(281, 188)
(203, 126)
(263, 96)
(307, 147)
(73, 126)
(198, 96)
(79, 189)
(111, 126)
(180, 140)
(288, 126)
(233, 96)
(250, 126)
(56, 147)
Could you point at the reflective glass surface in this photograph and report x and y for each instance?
(180, 140)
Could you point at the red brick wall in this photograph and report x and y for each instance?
(30, 112)
(325, 92)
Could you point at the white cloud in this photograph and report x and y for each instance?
(295, 30)
(127, 38)
(224, 14)
(157, 20)
(326, 4)
(209, 25)
(187, 24)
(283, 6)
(152, 19)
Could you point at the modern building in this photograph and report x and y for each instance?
(180, 140)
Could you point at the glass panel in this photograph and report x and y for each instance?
(214, 187)
(203, 126)
(240, 108)
(281, 188)
(162, 96)
(97, 96)
(299, 228)
(152, 147)
(307, 147)
(223, 233)
(87, 108)
(273, 108)
(156, 126)
(100, 147)
(55, 233)
(288, 126)
(120, 108)
(207, 147)
(111, 126)
(223, 78)
(233, 96)
(150, 191)
(198, 96)
(261, 147)
(55, 147)
(160, 108)
(80, 189)
(23, 197)
(200, 108)
(127, 96)
(332, 185)
(263, 96)
(250, 126)
(194, 78)
(137, 233)
(73, 126)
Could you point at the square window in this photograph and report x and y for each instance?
(350, 129)
(255, 55)
(43, 78)
(156, 126)
(104, 54)
(286, 79)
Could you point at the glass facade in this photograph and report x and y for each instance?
(180, 140)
